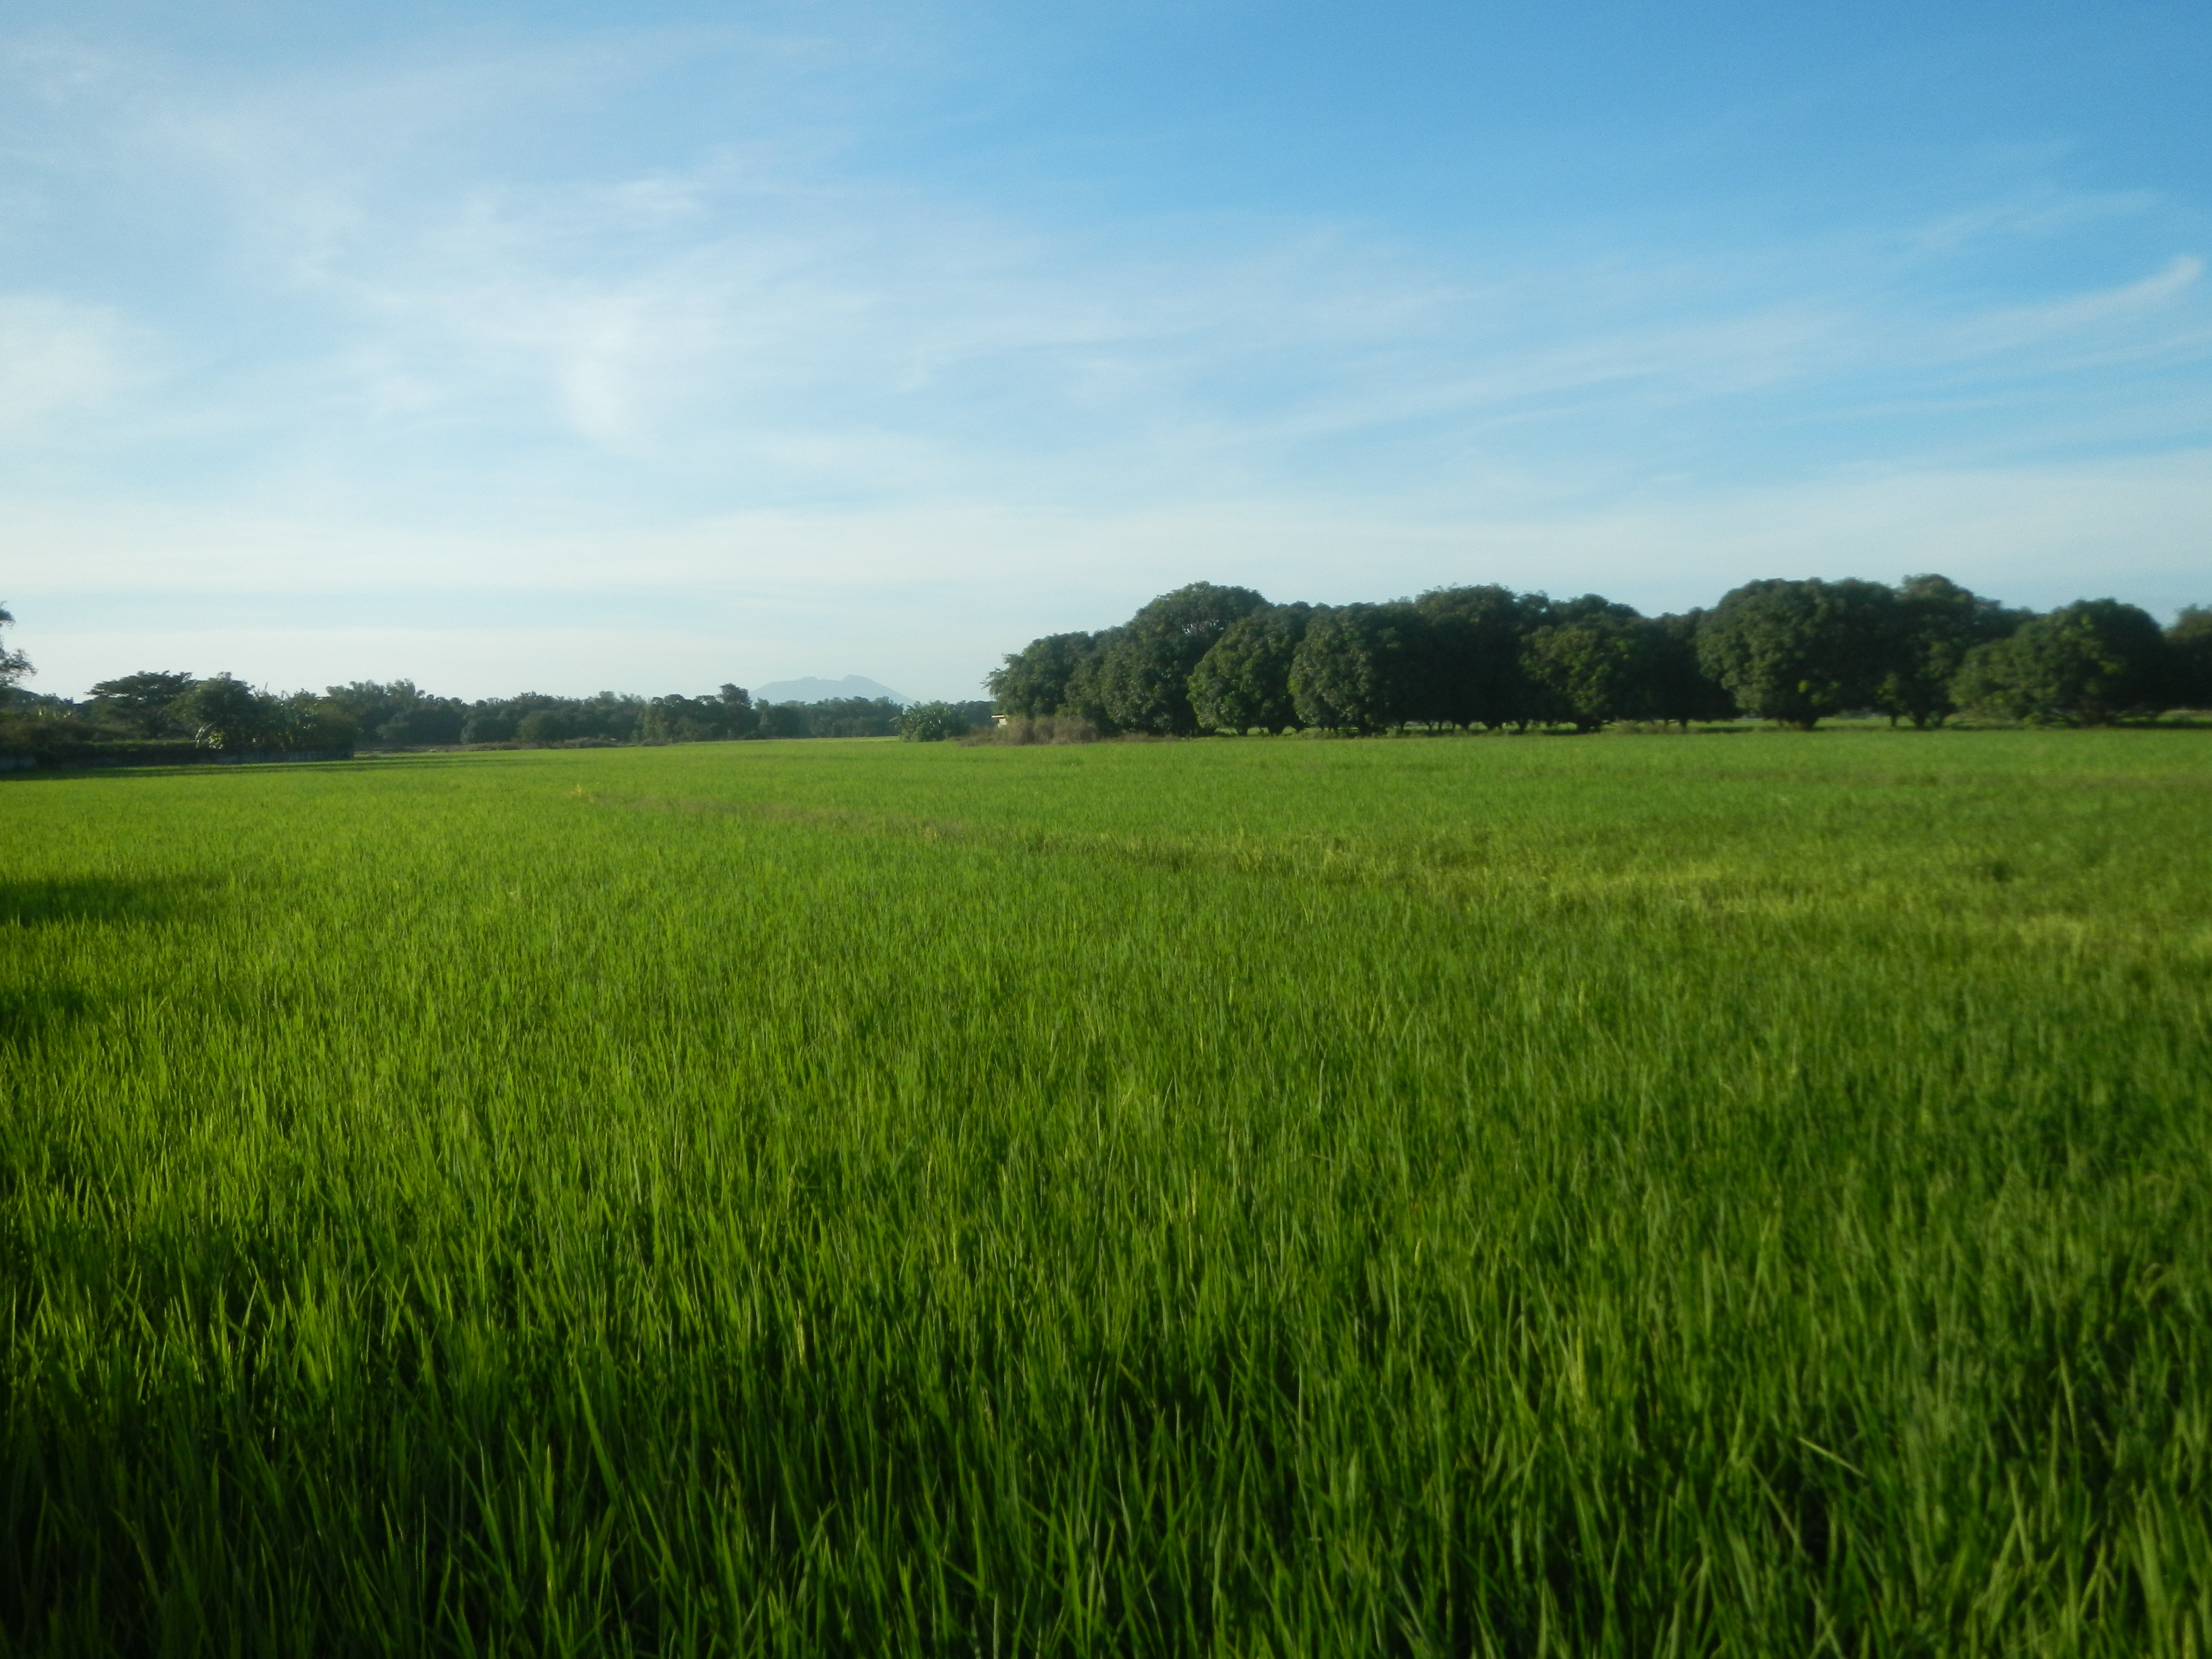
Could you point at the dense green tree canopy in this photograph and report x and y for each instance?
(1143, 674)
(1357, 668)
(2189, 659)
(399, 713)
(1593, 666)
(227, 714)
(1244, 681)
(1797, 651)
(223, 713)
(1791, 651)
(676, 719)
(2086, 664)
(1085, 697)
(144, 703)
(1033, 682)
(1936, 624)
(306, 722)
(1473, 655)
(1680, 690)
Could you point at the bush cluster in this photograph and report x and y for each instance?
(1208, 658)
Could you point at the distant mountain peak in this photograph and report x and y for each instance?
(811, 689)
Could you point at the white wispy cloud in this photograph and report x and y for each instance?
(2102, 319)
(406, 349)
(59, 358)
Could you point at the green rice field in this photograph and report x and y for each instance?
(1732, 1194)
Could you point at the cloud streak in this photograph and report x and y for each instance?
(400, 347)
(59, 358)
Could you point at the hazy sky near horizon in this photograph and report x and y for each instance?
(570, 346)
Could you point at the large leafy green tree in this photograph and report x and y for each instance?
(1357, 669)
(1143, 675)
(2189, 659)
(144, 702)
(1244, 680)
(1084, 697)
(1033, 682)
(1469, 670)
(2086, 664)
(1592, 666)
(1797, 651)
(1935, 623)
(1677, 688)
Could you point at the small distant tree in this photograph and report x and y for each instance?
(144, 703)
(545, 725)
(305, 723)
(400, 712)
(489, 721)
(678, 719)
(729, 714)
(932, 722)
(433, 720)
(853, 717)
(609, 716)
(739, 717)
(1244, 680)
(1797, 651)
(223, 713)
(783, 720)
(2189, 659)
(2086, 664)
(831, 717)
(14, 665)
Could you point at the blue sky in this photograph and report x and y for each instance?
(654, 346)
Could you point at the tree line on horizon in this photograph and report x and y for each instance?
(1223, 659)
(1212, 659)
(223, 712)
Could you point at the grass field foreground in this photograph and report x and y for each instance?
(1723, 1194)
